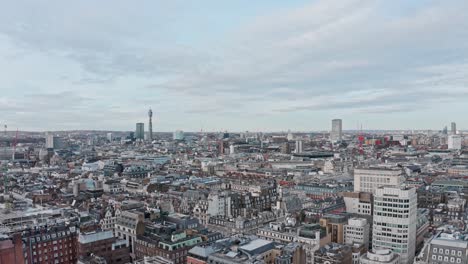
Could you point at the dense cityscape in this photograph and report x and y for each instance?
(337, 196)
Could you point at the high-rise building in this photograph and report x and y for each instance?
(395, 221)
(454, 128)
(178, 135)
(150, 125)
(454, 142)
(110, 137)
(140, 131)
(298, 146)
(336, 132)
(54, 142)
(370, 178)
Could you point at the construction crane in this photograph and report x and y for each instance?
(14, 146)
(5, 167)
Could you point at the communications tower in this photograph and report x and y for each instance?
(150, 115)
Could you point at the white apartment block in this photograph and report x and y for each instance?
(357, 232)
(454, 142)
(369, 179)
(395, 219)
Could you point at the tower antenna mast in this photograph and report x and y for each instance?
(150, 124)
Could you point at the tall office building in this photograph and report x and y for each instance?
(368, 179)
(454, 142)
(395, 220)
(336, 132)
(110, 137)
(150, 124)
(298, 146)
(454, 128)
(54, 142)
(140, 131)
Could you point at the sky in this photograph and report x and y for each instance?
(264, 65)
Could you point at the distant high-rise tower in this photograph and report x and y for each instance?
(140, 131)
(454, 128)
(150, 115)
(298, 146)
(336, 132)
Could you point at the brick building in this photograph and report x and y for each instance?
(11, 250)
(103, 244)
(57, 244)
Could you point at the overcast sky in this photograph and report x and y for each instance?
(263, 65)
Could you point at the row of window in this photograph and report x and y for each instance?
(447, 251)
(446, 259)
(392, 215)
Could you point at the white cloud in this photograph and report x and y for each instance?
(337, 57)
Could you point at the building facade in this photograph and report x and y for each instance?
(369, 179)
(337, 130)
(140, 131)
(357, 231)
(56, 244)
(395, 221)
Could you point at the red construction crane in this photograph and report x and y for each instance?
(361, 140)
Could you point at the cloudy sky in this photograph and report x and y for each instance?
(233, 65)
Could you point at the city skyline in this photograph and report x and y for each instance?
(271, 67)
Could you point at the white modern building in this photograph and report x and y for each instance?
(380, 256)
(299, 148)
(110, 137)
(454, 142)
(357, 232)
(395, 221)
(370, 178)
(337, 130)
